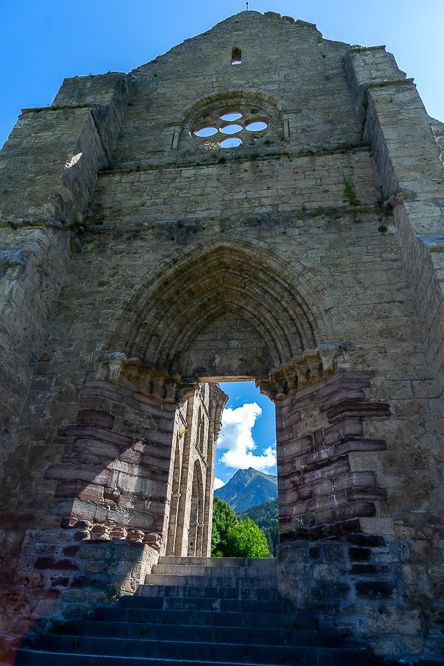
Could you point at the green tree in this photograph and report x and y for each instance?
(224, 519)
(231, 538)
(246, 540)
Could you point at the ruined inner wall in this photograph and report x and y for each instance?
(276, 261)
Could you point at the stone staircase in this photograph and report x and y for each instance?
(197, 612)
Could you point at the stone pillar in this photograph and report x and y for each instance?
(349, 513)
(326, 479)
(112, 483)
(218, 400)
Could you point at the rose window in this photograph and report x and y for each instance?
(231, 127)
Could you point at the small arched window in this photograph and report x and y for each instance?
(236, 55)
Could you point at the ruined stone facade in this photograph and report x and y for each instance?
(142, 262)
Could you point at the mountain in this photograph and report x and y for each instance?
(247, 488)
(266, 518)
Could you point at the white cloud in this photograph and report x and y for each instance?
(218, 483)
(237, 441)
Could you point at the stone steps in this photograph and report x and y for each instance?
(214, 572)
(245, 593)
(195, 617)
(214, 618)
(207, 633)
(212, 581)
(180, 650)
(203, 604)
(218, 562)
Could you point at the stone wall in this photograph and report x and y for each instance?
(369, 587)
(48, 171)
(308, 258)
(60, 576)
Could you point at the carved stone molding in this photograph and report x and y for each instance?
(312, 367)
(131, 373)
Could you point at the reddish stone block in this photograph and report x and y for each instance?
(96, 447)
(82, 535)
(348, 428)
(361, 409)
(296, 448)
(57, 565)
(100, 390)
(343, 395)
(97, 433)
(93, 417)
(355, 479)
(347, 511)
(358, 494)
(90, 493)
(59, 581)
(320, 456)
(79, 472)
(299, 509)
(135, 535)
(327, 501)
(327, 471)
(47, 594)
(304, 493)
(361, 445)
(71, 551)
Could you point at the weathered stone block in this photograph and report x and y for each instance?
(330, 591)
(393, 620)
(375, 589)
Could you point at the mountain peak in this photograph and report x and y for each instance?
(247, 488)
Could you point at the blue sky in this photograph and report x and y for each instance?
(43, 42)
(248, 434)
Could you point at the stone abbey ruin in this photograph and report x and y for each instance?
(143, 259)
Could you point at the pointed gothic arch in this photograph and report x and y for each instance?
(242, 284)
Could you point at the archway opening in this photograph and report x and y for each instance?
(245, 475)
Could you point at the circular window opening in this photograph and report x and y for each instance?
(229, 117)
(231, 143)
(206, 131)
(254, 111)
(231, 129)
(256, 127)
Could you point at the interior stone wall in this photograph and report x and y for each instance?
(323, 236)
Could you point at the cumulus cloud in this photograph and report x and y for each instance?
(218, 483)
(237, 441)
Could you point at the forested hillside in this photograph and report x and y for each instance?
(265, 516)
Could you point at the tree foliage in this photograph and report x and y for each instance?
(246, 540)
(266, 517)
(224, 519)
(233, 538)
